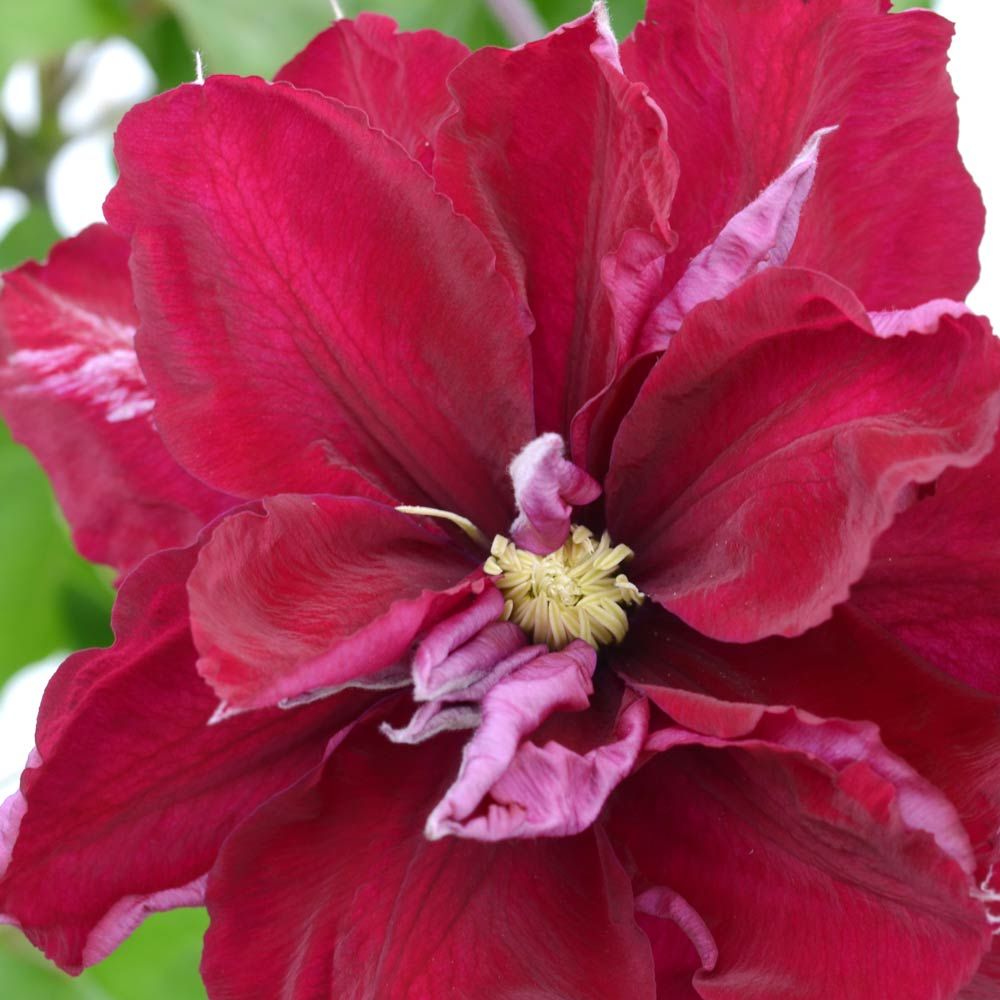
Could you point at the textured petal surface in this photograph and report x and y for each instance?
(777, 439)
(807, 878)
(848, 668)
(934, 578)
(555, 155)
(135, 793)
(894, 214)
(324, 324)
(316, 593)
(71, 390)
(396, 78)
(516, 781)
(758, 236)
(335, 891)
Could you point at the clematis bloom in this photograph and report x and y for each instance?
(554, 493)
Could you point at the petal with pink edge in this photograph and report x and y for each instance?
(758, 236)
(319, 592)
(555, 155)
(350, 902)
(934, 578)
(133, 792)
(71, 390)
(774, 442)
(397, 78)
(328, 325)
(894, 214)
(849, 668)
(803, 869)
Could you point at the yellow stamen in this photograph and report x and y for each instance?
(446, 515)
(576, 592)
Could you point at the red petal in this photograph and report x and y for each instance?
(71, 389)
(555, 156)
(934, 578)
(335, 892)
(775, 441)
(808, 880)
(396, 78)
(311, 309)
(894, 214)
(850, 669)
(316, 593)
(136, 793)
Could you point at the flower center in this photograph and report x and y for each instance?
(576, 592)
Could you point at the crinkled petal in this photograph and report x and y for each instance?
(934, 578)
(555, 155)
(894, 214)
(397, 78)
(802, 865)
(756, 237)
(318, 592)
(71, 390)
(848, 668)
(133, 793)
(327, 324)
(336, 893)
(774, 442)
(546, 489)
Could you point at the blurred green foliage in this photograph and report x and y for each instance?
(50, 598)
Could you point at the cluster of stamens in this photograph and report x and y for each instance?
(576, 592)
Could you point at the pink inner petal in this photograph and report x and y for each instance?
(758, 237)
(546, 488)
(669, 905)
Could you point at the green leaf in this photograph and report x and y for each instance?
(899, 5)
(50, 598)
(34, 29)
(29, 238)
(250, 36)
(158, 962)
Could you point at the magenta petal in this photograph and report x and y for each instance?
(396, 78)
(758, 236)
(776, 440)
(546, 489)
(317, 593)
(934, 578)
(796, 867)
(334, 327)
(71, 390)
(555, 155)
(133, 792)
(335, 892)
(894, 214)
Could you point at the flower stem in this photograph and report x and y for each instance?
(519, 19)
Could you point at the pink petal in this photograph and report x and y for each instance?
(756, 237)
(924, 318)
(133, 793)
(466, 668)
(894, 214)
(511, 711)
(351, 902)
(555, 156)
(803, 867)
(777, 439)
(71, 390)
(546, 489)
(934, 578)
(396, 78)
(316, 593)
(334, 327)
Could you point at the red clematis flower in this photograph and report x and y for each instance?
(596, 593)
